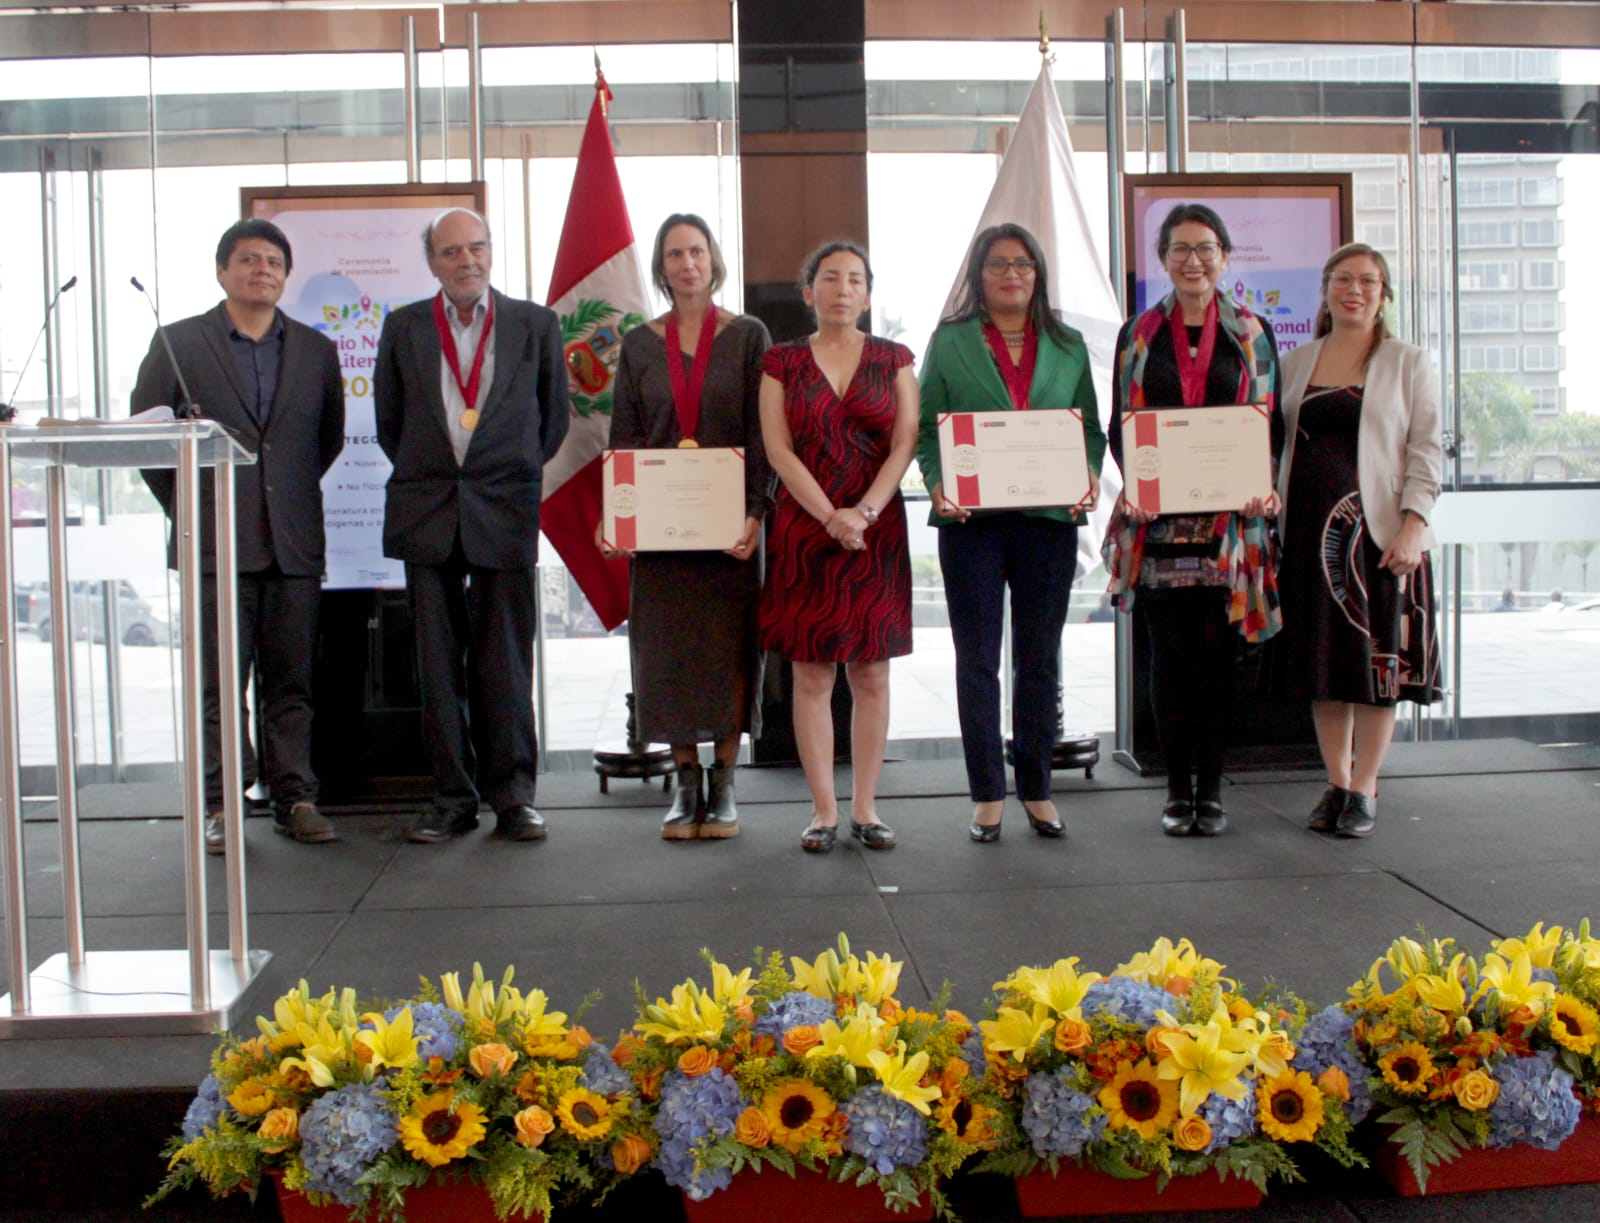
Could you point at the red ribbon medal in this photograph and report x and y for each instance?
(686, 389)
(447, 341)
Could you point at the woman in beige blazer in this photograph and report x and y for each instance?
(1359, 479)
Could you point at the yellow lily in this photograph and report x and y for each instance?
(323, 1050)
(880, 977)
(1540, 944)
(537, 1020)
(1444, 992)
(1510, 984)
(822, 977)
(390, 1042)
(726, 988)
(1015, 1031)
(1269, 1048)
(691, 1015)
(295, 1009)
(1166, 961)
(1060, 987)
(863, 1035)
(902, 1078)
(1204, 1059)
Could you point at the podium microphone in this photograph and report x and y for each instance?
(188, 409)
(7, 412)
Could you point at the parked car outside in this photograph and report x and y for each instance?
(138, 620)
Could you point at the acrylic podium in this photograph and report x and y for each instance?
(126, 992)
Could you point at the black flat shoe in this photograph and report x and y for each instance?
(1177, 818)
(984, 834)
(1359, 817)
(1045, 828)
(873, 836)
(519, 824)
(1210, 820)
(818, 839)
(1325, 815)
(440, 824)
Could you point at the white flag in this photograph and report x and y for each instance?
(1037, 188)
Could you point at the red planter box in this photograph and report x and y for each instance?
(435, 1202)
(1083, 1191)
(1575, 1162)
(810, 1197)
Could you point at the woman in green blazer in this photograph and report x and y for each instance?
(1002, 350)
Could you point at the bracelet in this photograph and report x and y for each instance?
(867, 512)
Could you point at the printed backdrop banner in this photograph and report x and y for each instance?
(357, 256)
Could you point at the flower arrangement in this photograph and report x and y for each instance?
(1162, 1068)
(1465, 1052)
(355, 1105)
(820, 1068)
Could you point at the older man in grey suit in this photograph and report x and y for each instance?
(276, 384)
(470, 395)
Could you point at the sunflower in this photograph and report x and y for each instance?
(1574, 1024)
(1290, 1107)
(965, 1120)
(1407, 1069)
(437, 1129)
(796, 1111)
(583, 1114)
(1137, 1099)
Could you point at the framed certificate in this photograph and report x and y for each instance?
(1013, 460)
(1197, 460)
(685, 500)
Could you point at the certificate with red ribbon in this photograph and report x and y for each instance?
(673, 500)
(1197, 460)
(1014, 460)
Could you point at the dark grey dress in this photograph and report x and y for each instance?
(692, 615)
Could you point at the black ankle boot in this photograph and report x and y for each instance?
(682, 821)
(722, 813)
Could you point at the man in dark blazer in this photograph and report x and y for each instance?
(470, 394)
(277, 386)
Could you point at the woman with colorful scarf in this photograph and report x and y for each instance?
(1197, 582)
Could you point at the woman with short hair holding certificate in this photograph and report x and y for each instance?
(690, 379)
(1360, 477)
(1004, 350)
(1197, 582)
(839, 414)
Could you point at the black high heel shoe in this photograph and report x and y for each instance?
(1045, 828)
(984, 834)
(873, 836)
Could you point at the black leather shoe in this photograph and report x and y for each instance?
(440, 824)
(873, 836)
(1326, 813)
(818, 839)
(519, 824)
(1045, 828)
(722, 813)
(984, 834)
(216, 838)
(305, 824)
(1210, 820)
(1359, 817)
(682, 820)
(1177, 818)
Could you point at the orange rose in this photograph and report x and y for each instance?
(751, 1129)
(955, 1072)
(630, 1153)
(745, 1012)
(1280, 1044)
(1192, 1133)
(1475, 1090)
(801, 1040)
(890, 1011)
(623, 1052)
(490, 1059)
(282, 1126)
(1072, 1035)
(1335, 1083)
(649, 1082)
(533, 1126)
(1155, 1041)
(1179, 987)
(697, 1060)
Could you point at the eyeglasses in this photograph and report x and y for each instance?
(1344, 281)
(1179, 252)
(999, 267)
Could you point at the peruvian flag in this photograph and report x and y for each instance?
(600, 291)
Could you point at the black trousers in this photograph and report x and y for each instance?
(1192, 651)
(277, 618)
(474, 630)
(1036, 557)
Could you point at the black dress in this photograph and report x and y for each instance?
(1352, 630)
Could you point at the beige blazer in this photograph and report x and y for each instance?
(1399, 454)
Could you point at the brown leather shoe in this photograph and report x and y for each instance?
(305, 824)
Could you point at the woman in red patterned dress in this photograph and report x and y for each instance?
(839, 418)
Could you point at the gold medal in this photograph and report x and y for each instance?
(469, 419)
(688, 443)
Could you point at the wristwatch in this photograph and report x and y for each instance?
(867, 512)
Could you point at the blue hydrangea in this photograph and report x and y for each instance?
(1230, 1120)
(1544, 974)
(1325, 1042)
(434, 1026)
(602, 1074)
(204, 1109)
(1126, 999)
(793, 1010)
(1536, 1105)
(693, 1111)
(972, 1052)
(1053, 1116)
(885, 1130)
(340, 1136)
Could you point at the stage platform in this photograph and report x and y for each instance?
(1475, 839)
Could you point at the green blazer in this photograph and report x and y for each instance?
(959, 375)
